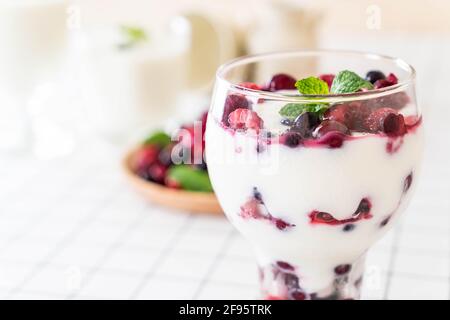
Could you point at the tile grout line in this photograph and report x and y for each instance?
(112, 248)
(164, 253)
(60, 245)
(219, 256)
(39, 217)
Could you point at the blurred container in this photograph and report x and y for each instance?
(138, 85)
(213, 41)
(33, 36)
(284, 26)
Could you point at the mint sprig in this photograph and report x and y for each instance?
(309, 86)
(312, 85)
(159, 138)
(293, 110)
(133, 36)
(348, 82)
(190, 178)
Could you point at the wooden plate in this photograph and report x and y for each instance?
(195, 202)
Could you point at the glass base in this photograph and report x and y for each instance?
(282, 281)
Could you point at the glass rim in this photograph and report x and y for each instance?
(331, 98)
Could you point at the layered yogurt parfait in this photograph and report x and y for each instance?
(313, 162)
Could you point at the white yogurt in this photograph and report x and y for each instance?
(295, 181)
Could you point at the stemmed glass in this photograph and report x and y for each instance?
(314, 193)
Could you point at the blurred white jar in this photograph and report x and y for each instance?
(33, 37)
(284, 25)
(134, 85)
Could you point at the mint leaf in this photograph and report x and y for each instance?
(312, 85)
(293, 110)
(347, 82)
(133, 36)
(190, 178)
(159, 138)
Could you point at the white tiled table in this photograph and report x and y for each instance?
(72, 228)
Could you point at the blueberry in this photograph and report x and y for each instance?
(408, 182)
(259, 148)
(291, 139)
(385, 222)
(349, 227)
(257, 195)
(305, 123)
(291, 280)
(286, 122)
(375, 75)
(342, 269)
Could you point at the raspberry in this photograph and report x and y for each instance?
(245, 119)
(362, 212)
(329, 126)
(322, 217)
(328, 78)
(386, 120)
(357, 114)
(157, 173)
(250, 210)
(395, 101)
(281, 81)
(281, 224)
(351, 115)
(363, 207)
(390, 80)
(145, 157)
(285, 265)
(333, 139)
(338, 113)
(233, 102)
(250, 85)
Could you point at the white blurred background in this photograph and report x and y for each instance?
(80, 84)
(63, 79)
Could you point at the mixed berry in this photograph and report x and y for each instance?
(324, 124)
(254, 208)
(362, 212)
(317, 123)
(282, 281)
(175, 164)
